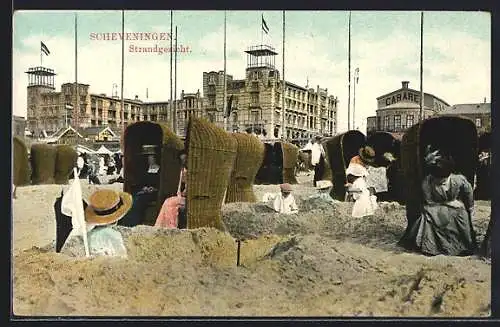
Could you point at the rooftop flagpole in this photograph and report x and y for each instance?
(224, 106)
(122, 111)
(421, 66)
(349, 76)
(175, 84)
(76, 109)
(171, 78)
(283, 109)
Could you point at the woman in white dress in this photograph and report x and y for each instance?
(365, 204)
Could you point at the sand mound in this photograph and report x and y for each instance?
(321, 262)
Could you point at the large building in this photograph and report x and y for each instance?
(255, 102)
(49, 111)
(479, 113)
(400, 109)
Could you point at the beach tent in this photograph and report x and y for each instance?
(454, 135)
(104, 150)
(169, 147)
(83, 149)
(340, 149)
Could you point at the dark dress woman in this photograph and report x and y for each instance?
(445, 224)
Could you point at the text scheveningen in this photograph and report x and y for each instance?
(134, 36)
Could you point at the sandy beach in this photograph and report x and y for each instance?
(320, 262)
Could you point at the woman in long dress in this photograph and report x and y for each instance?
(445, 224)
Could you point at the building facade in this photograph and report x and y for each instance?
(479, 113)
(400, 109)
(255, 102)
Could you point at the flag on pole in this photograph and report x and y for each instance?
(264, 25)
(44, 48)
(72, 206)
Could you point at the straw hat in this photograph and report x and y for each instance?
(286, 187)
(324, 184)
(367, 154)
(148, 149)
(107, 206)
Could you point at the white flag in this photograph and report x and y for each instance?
(72, 206)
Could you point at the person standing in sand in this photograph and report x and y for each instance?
(318, 159)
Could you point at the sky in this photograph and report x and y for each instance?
(385, 46)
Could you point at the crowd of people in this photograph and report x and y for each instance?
(444, 225)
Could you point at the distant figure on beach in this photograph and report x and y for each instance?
(318, 159)
(282, 202)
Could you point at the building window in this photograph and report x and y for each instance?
(212, 100)
(397, 122)
(254, 98)
(409, 121)
(478, 122)
(386, 122)
(254, 116)
(211, 79)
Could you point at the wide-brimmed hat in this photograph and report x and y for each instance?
(367, 154)
(324, 184)
(286, 187)
(147, 149)
(107, 206)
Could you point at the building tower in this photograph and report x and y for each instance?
(263, 82)
(40, 81)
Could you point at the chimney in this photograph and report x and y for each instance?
(405, 84)
(484, 99)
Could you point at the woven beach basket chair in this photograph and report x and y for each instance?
(290, 158)
(453, 135)
(169, 147)
(21, 165)
(339, 150)
(43, 163)
(249, 158)
(65, 162)
(211, 153)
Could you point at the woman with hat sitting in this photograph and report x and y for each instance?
(146, 191)
(323, 187)
(445, 222)
(105, 208)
